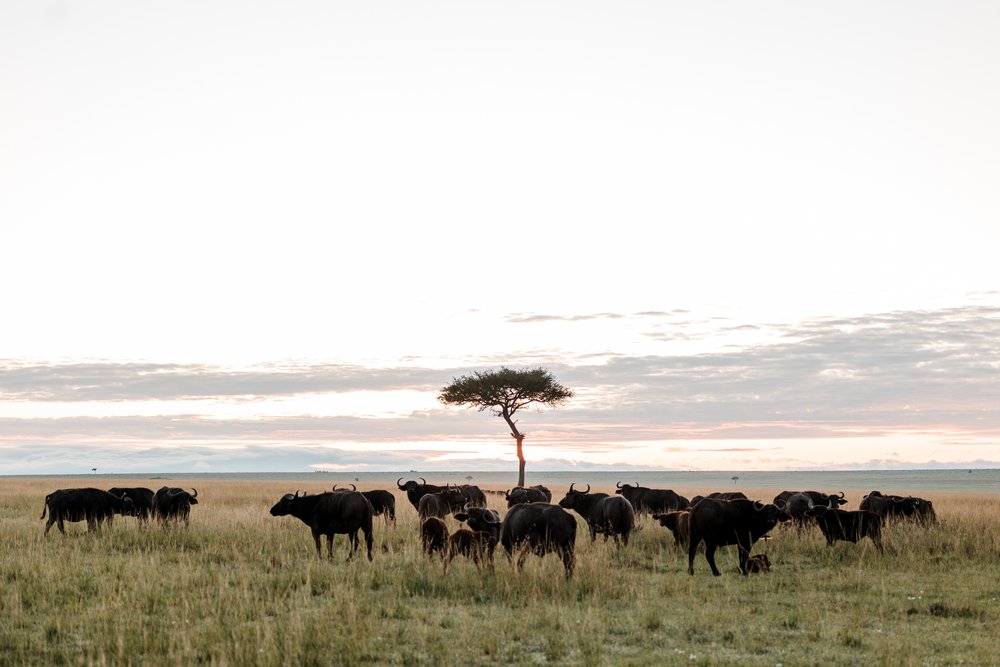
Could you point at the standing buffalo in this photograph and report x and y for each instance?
(434, 535)
(329, 514)
(679, 524)
(838, 524)
(142, 500)
(529, 494)
(720, 495)
(481, 519)
(611, 515)
(415, 491)
(833, 500)
(383, 502)
(651, 501)
(540, 529)
(474, 494)
(173, 504)
(442, 503)
(91, 505)
(719, 523)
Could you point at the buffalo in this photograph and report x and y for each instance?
(758, 563)
(442, 503)
(383, 502)
(891, 507)
(94, 506)
(833, 500)
(330, 514)
(678, 523)
(540, 528)
(433, 535)
(415, 491)
(611, 515)
(720, 523)
(173, 504)
(527, 494)
(481, 519)
(474, 495)
(651, 501)
(720, 495)
(838, 524)
(477, 545)
(142, 501)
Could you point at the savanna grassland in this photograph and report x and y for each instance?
(240, 587)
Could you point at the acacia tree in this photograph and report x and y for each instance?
(504, 392)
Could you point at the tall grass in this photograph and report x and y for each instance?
(239, 587)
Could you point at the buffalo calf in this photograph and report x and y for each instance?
(474, 544)
(433, 535)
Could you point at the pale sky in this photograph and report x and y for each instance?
(263, 235)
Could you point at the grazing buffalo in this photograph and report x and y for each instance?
(478, 545)
(891, 507)
(442, 503)
(651, 501)
(611, 515)
(540, 528)
(94, 506)
(433, 535)
(142, 500)
(481, 519)
(720, 495)
(415, 491)
(173, 504)
(330, 514)
(527, 494)
(679, 525)
(838, 524)
(720, 523)
(758, 563)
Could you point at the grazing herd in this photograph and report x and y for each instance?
(532, 524)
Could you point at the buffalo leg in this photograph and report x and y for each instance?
(319, 550)
(368, 543)
(692, 552)
(568, 561)
(710, 557)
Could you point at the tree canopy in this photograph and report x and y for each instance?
(504, 392)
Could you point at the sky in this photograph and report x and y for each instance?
(262, 236)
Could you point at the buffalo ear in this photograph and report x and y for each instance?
(461, 516)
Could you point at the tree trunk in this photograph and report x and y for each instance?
(520, 459)
(519, 437)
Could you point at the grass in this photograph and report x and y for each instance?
(240, 587)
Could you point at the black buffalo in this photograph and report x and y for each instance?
(838, 524)
(527, 494)
(142, 500)
(678, 523)
(720, 523)
(442, 503)
(892, 507)
(611, 515)
(540, 528)
(94, 506)
(651, 501)
(833, 500)
(481, 519)
(720, 495)
(330, 514)
(474, 495)
(173, 504)
(383, 502)
(415, 491)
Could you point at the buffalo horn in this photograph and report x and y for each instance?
(588, 489)
(571, 487)
(195, 494)
(618, 485)
(757, 505)
(398, 482)
(841, 494)
(423, 481)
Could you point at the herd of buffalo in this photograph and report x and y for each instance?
(532, 523)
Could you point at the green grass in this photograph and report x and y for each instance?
(240, 587)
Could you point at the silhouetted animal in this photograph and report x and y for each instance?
(719, 523)
(652, 501)
(848, 526)
(529, 494)
(142, 500)
(94, 506)
(330, 514)
(611, 515)
(540, 528)
(173, 504)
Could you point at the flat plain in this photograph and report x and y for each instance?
(240, 587)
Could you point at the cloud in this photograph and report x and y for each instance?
(935, 373)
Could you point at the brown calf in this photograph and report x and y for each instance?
(434, 535)
(473, 544)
